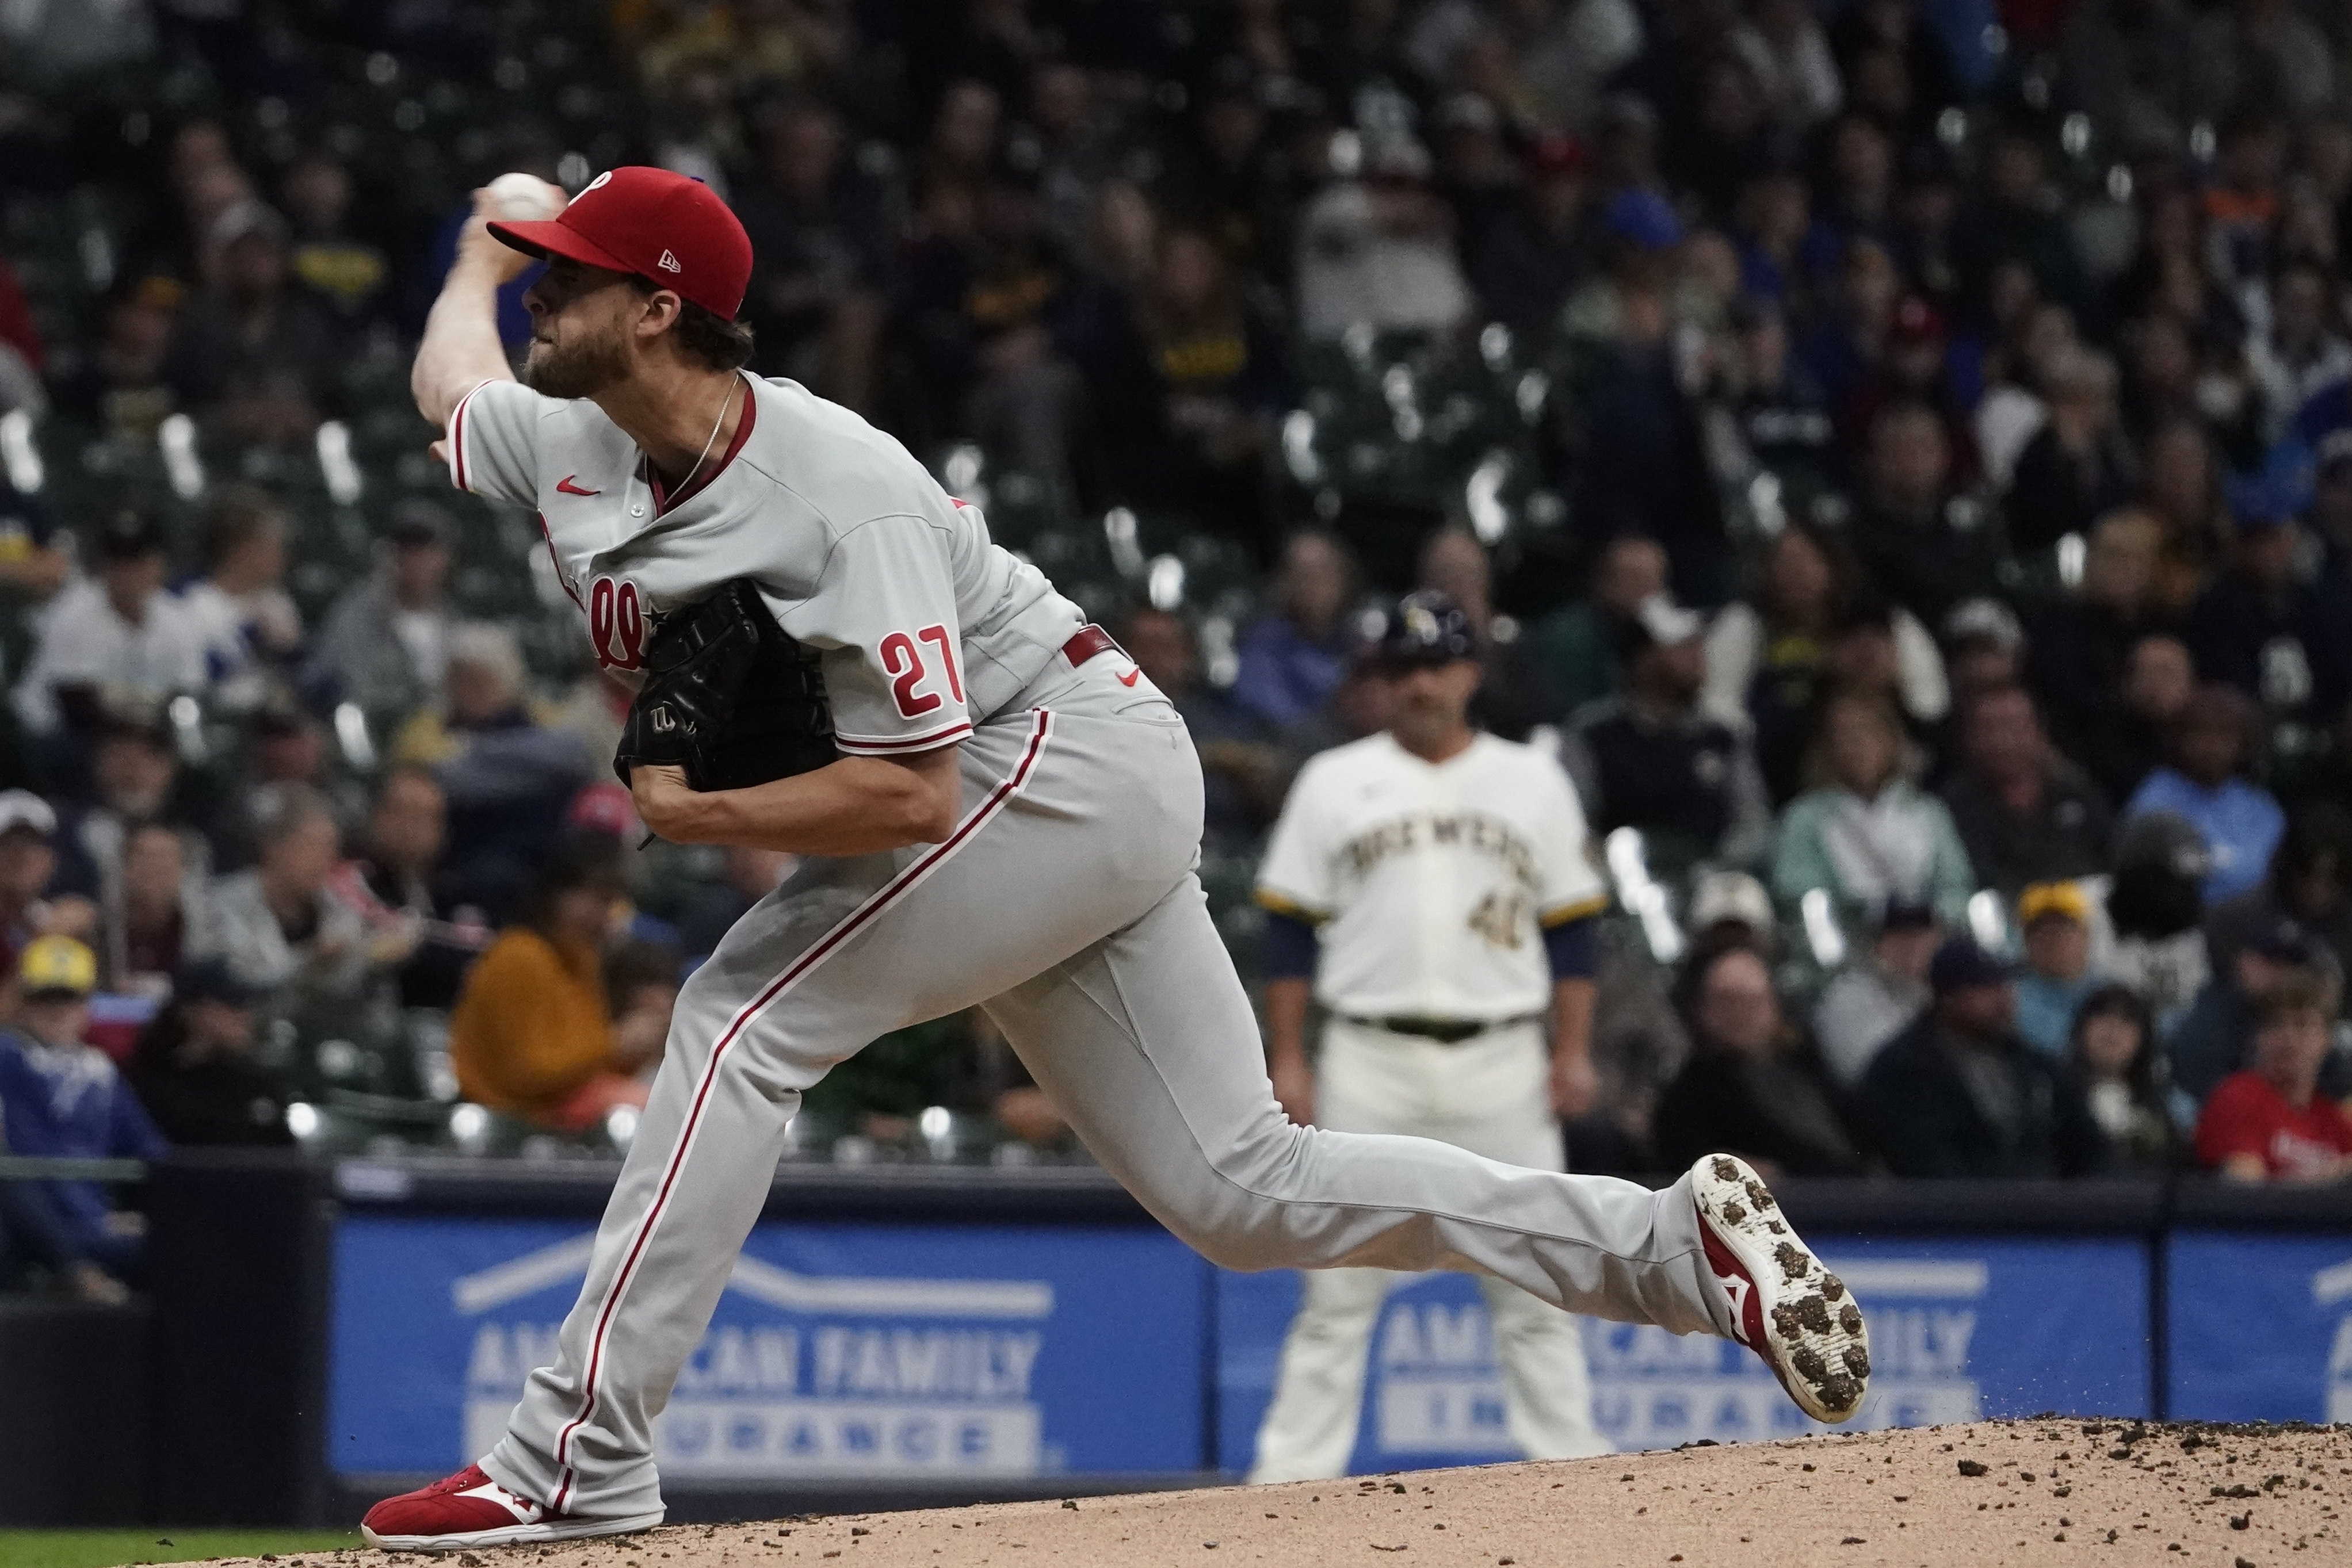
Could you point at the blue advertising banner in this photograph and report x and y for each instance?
(1959, 1330)
(837, 1350)
(2260, 1326)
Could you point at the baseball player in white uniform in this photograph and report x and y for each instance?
(1012, 823)
(1446, 873)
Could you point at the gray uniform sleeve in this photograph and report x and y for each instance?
(494, 443)
(884, 617)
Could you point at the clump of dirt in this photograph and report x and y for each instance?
(2046, 1491)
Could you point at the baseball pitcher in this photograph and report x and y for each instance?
(995, 808)
(1446, 874)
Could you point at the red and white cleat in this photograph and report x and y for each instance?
(469, 1509)
(1790, 1310)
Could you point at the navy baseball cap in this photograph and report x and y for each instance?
(212, 980)
(1428, 628)
(1959, 964)
(2284, 941)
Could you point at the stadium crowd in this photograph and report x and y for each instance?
(1897, 451)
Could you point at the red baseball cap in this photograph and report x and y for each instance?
(670, 229)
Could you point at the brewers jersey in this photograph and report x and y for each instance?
(1431, 880)
(925, 627)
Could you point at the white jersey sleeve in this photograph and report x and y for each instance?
(493, 443)
(1568, 887)
(1297, 876)
(883, 614)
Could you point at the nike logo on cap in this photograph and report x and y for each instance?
(569, 489)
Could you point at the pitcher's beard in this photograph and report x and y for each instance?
(576, 370)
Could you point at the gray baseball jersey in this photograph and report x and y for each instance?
(925, 626)
(1063, 902)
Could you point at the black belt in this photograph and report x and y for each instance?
(1444, 1031)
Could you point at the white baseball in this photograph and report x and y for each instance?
(523, 198)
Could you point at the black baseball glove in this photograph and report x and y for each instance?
(728, 696)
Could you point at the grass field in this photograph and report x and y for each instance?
(113, 1548)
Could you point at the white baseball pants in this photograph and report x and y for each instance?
(1490, 1095)
(1064, 902)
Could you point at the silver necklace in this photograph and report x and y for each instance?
(708, 441)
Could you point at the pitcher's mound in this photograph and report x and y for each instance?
(2037, 1492)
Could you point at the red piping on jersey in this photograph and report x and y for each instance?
(937, 738)
(663, 503)
(457, 436)
(890, 892)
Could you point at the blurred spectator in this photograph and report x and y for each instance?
(2301, 354)
(534, 1034)
(506, 776)
(1379, 249)
(2080, 646)
(194, 1068)
(1577, 644)
(135, 778)
(1958, 1094)
(400, 889)
(1752, 1086)
(1926, 547)
(1240, 762)
(1512, 696)
(1768, 655)
(1652, 758)
(2157, 911)
(113, 641)
(2309, 882)
(2127, 64)
(821, 231)
(120, 388)
(2113, 1059)
(1871, 1001)
(326, 257)
(29, 859)
(257, 355)
(61, 1098)
(150, 912)
(1185, 383)
(976, 294)
(1984, 652)
(1625, 385)
(2260, 627)
(2181, 488)
(2055, 918)
(1537, 251)
(2269, 1123)
(2079, 466)
(1865, 832)
(2158, 682)
(2025, 813)
(2216, 1038)
(282, 933)
(1293, 660)
(240, 606)
(385, 643)
(746, 875)
(2204, 786)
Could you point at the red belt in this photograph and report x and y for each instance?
(1086, 642)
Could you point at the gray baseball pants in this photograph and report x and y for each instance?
(1065, 904)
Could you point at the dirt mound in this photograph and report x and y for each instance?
(2038, 1492)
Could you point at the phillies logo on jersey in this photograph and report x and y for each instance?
(616, 623)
